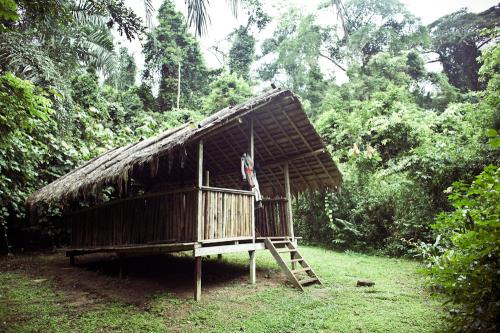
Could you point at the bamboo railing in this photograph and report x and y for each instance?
(271, 219)
(171, 217)
(165, 217)
(227, 214)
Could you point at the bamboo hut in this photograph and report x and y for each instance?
(183, 190)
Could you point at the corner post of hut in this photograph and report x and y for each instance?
(288, 197)
(252, 253)
(199, 222)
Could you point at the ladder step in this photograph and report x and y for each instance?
(286, 250)
(306, 281)
(295, 271)
(296, 260)
(280, 242)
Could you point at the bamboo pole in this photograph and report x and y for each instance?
(207, 178)
(289, 201)
(200, 194)
(251, 148)
(252, 207)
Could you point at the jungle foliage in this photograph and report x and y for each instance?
(404, 136)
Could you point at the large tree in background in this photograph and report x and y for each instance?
(457, 39)
(123, 75)
(364, 28)
(171, 50)
(242, 52)
(294, 49)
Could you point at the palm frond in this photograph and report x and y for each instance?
(149, 9)
(82, 18)
(233, 5)
(198, 15)
(26, 60)
(95, 49)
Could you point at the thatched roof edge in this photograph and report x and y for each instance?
(114, 166)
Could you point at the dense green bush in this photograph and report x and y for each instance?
(226, 90)
(464, 262)
(397, 151)
(25, 127)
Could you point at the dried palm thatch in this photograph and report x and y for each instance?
(282, 130)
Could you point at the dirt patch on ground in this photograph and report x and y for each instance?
(97, 276)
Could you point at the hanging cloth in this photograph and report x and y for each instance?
(249, 175)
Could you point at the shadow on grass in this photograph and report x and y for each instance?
(142, 277)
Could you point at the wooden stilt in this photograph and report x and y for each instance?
(120, 263)
(292, 257)
(289, 202)
(252, 267)
(72, 260)
(197, 288)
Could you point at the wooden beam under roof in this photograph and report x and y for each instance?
(289, 138)
(270, 139)
(307, 143)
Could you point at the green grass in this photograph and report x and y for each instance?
(27, 305)
(397, 303)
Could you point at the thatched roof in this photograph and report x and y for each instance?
(282, 133)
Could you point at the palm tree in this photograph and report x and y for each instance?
(48, 41)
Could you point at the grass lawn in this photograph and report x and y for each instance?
(398, 302)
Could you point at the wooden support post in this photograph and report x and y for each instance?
(252, 154)
(199, 170)
(199, 183)
(197, 274)
(252, 266)
(292, 256)
(72, 260)
(289, 201)
(120, 263)
(253, 219)
(251, 143)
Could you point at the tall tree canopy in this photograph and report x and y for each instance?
(294, 50)
(171, 49)
(123, 75)
(457, 39)
(242, 52)
(371, 26)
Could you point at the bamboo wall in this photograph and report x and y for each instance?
(226, 213)
(169, 217)
(271, 219)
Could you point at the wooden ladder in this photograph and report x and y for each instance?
(299, 277)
